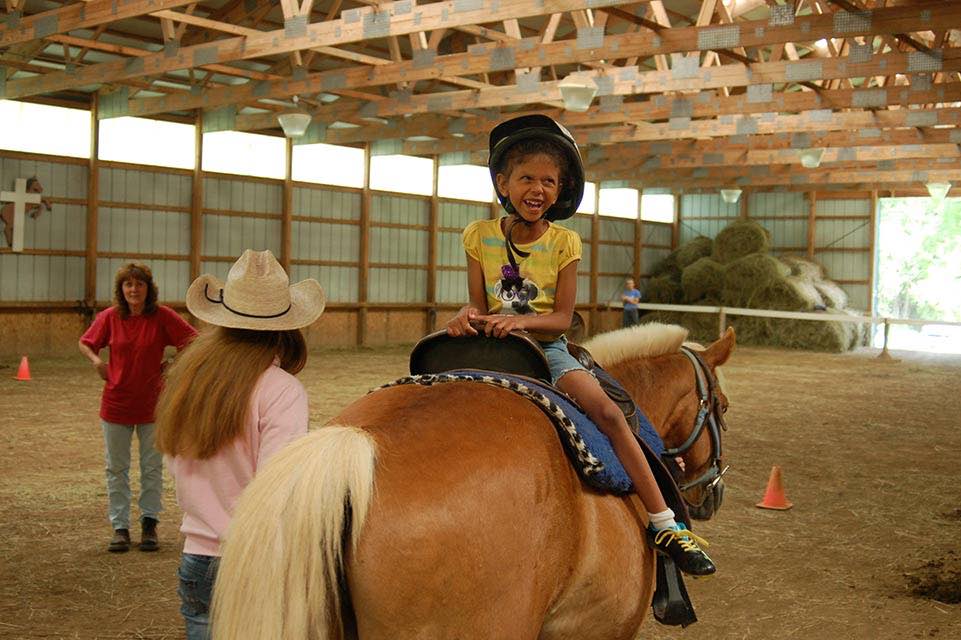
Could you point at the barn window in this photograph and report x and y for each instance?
(657, 207)
(146, 141)
(246, 154)
(618, 202)
(41, 128)
(403, 174)
(587, 202)
(328, 164)
(465, 181)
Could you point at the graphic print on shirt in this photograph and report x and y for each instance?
(514, 292)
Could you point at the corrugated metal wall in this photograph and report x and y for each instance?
(398, 255)
(615, 257)
(704, 214)
(785, 215)
(581, 223)
(143, 213)
(48, 278)
(452, 217)
(331, 235)
(843, 239)
(656, 244)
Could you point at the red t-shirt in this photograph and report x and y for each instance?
(134, 371)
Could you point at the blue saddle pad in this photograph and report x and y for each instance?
(590, 449)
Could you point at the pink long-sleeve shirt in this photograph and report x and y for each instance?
(207, 490)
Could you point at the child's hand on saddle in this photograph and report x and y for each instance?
(499, 326)
(460, 325)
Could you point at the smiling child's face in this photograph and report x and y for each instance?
(532, 185)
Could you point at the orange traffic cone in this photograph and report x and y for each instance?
(774, 496)
(23, 373)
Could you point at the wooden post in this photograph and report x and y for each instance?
(364, 259)
(197, 198)
(287, 207)
(595, 260)
(638, 239)
(93, 198)
(676, 225)
(432, 224)
(872, 231)
(812, 222)
(743, 205)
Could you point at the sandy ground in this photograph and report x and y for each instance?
(869, 452)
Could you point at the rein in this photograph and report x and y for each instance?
(709, 415)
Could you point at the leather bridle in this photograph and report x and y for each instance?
(710, 415)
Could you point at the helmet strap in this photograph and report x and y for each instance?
(509, 243)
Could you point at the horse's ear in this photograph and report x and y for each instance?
(720, 350)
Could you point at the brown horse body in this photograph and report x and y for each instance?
(478, 527)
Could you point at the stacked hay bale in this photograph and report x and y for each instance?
(737, 270)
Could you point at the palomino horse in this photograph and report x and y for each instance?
(478, 526)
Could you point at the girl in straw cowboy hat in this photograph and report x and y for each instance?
(230, 402)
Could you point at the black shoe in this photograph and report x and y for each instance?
(120, 542)
(682, 547)
(148, 536)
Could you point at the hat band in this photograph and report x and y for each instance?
(241, 313)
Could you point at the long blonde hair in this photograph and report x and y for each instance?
(206, 399)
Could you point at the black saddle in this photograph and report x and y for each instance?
(518, 354)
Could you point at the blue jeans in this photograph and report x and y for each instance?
(631, 317)
(117, 440)
(197, 575)
(559, 359)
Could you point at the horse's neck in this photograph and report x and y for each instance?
(656, 385)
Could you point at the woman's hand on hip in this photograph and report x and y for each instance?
(101, 367)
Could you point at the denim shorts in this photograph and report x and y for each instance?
(559, 358)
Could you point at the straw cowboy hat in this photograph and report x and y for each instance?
(257, 295)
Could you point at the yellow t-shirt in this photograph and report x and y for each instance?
(535, 288)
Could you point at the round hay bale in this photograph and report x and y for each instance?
(701, 327)
(860, 332)
(803, 268)
(668, 267)
(812, 335)
(832, 294)
(702, 279)
(746, 276)
(752, 330)
(739, 239)
(790, 294)
(691, 252)
(663, 289)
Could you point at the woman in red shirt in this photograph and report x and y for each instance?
(137, 330)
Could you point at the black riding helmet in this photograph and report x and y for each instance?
(507, 134)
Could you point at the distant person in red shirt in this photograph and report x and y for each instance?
(137, 330)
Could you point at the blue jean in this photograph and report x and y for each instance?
(197, 576)
(117, 440)
(559, 359)
(631, 317)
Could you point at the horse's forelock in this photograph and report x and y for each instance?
(640, 341)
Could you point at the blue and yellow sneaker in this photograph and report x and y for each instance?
(683, 547)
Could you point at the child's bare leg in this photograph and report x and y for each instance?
(6, 214)
(588, 393)
(673, 540)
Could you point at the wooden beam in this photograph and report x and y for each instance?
(486, 58)
(197, 199)
(394, 19)
(872, 235)
(433, 222)
(93, 199)
(80, 15)
(363, 267)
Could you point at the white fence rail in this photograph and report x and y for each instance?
(723, 312)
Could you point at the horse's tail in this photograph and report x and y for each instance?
(278, 577)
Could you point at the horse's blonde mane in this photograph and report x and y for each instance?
(640, 341)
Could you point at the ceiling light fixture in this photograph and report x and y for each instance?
(294, 123)
(811, 158)
(938, 190)
(577, 92)
(730, 195)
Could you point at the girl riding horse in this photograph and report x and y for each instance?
(536, 169)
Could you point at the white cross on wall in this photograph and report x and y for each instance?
(20, 199)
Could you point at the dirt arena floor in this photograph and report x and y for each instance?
(869, 452)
